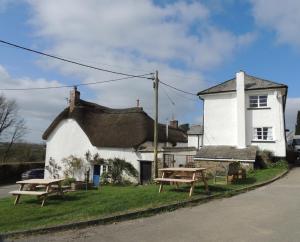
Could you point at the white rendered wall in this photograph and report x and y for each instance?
(195, 141)
(220, 122)
(69, 139)
(271, 117)
(240, 110)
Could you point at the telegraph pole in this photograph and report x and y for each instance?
(155, 86)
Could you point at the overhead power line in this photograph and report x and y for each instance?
(177, 89)
(71, 61)
(68, 86)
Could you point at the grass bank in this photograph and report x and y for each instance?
(109, 200)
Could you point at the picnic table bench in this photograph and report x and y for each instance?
(182, 175)
(33, 183)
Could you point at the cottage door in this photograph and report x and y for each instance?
(145, 173)
(96, 175)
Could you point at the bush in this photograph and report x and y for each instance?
(118, 168)
(279, 164)
(264, 158)
(68, 181)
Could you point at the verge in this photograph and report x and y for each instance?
(138, 213)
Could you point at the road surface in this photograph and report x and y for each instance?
(4, 190)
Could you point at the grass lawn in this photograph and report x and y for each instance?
(82, 205)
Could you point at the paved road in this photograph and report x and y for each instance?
(4, 190)
(270, 213)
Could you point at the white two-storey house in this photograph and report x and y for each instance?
(242, 115)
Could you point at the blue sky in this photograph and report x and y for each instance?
(194, 44)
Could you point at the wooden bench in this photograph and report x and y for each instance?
(41, 183)
(31, 193)
(174, 180)
(37, 193)
(182, 175)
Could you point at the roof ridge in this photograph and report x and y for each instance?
(111, 110)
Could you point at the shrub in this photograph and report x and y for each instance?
(68, 181)
(264, 158)
(118, 168)
(279, 164)
(53, 168)
(72, 164)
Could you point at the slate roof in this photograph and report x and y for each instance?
(227, 152)
(195, 130)
(251, 83)
(119, 128)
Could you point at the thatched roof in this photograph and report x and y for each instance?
(119, 128)
(222, 152)
(251, 83)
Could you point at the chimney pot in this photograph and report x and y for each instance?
(174, 123)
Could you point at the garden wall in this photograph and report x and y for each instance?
(12, 172)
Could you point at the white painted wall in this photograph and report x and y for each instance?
(195, 140)
(220, 122)
(240, 110)
(69, 139)
(272, 117)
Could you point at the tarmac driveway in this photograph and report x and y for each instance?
(4, 190)
(270, 213)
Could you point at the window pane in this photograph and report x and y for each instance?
(253, 101)
(263, 101)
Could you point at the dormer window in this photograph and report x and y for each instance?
(258, 101)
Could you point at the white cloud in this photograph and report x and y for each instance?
(279, 16)
(138, 37)
(38, 108)
(131, 36)
(292, 108)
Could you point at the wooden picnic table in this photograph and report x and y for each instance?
(182, 175)
(50, 185)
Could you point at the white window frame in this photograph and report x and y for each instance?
(263, 134)
(258, 101)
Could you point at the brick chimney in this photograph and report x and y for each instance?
(74, 98)
(174, 123)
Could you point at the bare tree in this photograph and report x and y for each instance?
(12, 127)
(8, 113)
(18, 131)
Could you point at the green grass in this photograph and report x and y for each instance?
(82, 205)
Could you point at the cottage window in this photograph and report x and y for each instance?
(263, 134)
(168, 160)
(189, 159)
(258, 101)
(104, 168)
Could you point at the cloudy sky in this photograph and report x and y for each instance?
(193, 44)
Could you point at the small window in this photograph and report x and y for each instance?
(263, 133)
(189, 158)
(168, 160)
(258, 101)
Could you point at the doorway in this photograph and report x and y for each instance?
(145, 172)
(96, 175)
